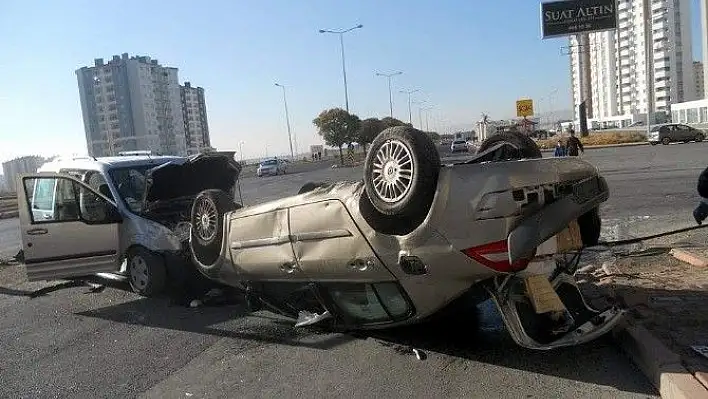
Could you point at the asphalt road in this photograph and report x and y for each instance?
(73, 343)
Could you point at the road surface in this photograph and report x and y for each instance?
(115, 344)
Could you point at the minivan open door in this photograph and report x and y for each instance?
(68, 230)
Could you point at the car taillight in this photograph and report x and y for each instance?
(496, 256)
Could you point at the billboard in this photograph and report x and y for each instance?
(569, 17)
(524, 108)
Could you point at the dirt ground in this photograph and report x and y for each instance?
(665, 295)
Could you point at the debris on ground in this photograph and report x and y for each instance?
(419, 354)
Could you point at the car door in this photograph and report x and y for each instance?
(684, 133)
(329, 246)
(79, 237)
(261, 248)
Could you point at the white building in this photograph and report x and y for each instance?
(611, 71)
(132, 103)
(196, 126)
(699, 79)
(12, 168)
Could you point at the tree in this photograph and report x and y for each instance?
(391, 122)
(368, 130)
(337, 127)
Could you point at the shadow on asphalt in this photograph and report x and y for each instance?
(468, 336)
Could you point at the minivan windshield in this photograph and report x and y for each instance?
(130, 183)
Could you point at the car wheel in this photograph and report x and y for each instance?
(590, 225)
(699, 137)
(146, 271)
(666, 141)
(654, 143)
(206, 237)
(401, 172)
(527, 148)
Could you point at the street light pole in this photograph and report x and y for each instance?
(410, 114)
(344, 68)
(240, 150)
(287, 121)
(390, 95)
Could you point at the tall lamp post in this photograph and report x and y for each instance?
(388, 76)
(240, 150)
(287, 121)
(344, 68)
(410, 114)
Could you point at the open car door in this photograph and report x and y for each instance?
(68, 230)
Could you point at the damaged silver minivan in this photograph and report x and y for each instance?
(124, 216)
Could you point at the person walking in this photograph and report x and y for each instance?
(574, 145)
(560, 150)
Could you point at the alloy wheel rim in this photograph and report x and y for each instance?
(393, 171)
(206, 218)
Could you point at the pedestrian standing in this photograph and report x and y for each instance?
(574, 146)
(560, 150)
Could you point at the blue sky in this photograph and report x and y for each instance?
(466, 57)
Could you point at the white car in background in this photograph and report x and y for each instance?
(271, 167)
(459, 145)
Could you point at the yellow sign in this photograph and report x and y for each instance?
(524, 108)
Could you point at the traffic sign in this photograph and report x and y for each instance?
(524, 108)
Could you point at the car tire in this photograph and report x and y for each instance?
(207, 217)
(666, 141)
(590, 226)
(527, 148)
(147, 272)
(699, 137)
(412, 162)
(654, 143)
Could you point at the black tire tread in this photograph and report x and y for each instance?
(527, 147)
(157, 272)
(207, 253)
(422, 192)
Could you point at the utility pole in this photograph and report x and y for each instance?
(344, 68)
(410, 113)
(287, 121)
(390, 95)
(649, 62)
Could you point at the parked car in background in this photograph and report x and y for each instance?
(271, 167)
(459, 145)
(674, 132)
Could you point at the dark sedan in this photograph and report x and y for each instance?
(674, 132)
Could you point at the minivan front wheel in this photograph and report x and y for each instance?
(146, 271)
(666, 141)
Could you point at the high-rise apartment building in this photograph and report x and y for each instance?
(132, 103)
(609, 70)
(699, 79)
(195, 118)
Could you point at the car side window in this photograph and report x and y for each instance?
(64, 206)
(42, 194)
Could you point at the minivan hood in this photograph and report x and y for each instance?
(189, 176)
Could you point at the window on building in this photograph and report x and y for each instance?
(682, 116)
(704, 115)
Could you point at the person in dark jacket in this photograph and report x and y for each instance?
(574, 144)
(560, 150)
(701, 211)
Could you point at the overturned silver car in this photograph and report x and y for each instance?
(414, 237)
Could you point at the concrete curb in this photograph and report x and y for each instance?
(661, 366)
(689, 257)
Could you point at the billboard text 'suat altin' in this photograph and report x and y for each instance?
(570, 17)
